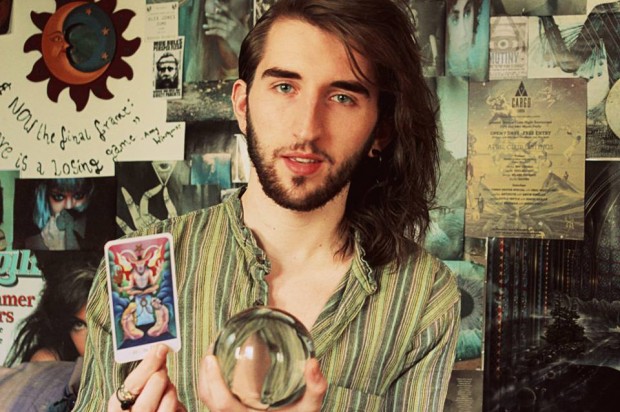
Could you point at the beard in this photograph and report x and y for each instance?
(167, 83)
(276, 190)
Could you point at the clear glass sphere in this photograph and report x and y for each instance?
(262, 353)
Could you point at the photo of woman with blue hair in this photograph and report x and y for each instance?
(59, 213)
(63, 214)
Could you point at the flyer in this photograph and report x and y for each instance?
(526, 159)
(508, 48)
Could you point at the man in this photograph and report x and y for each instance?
(342, 136)
(167, 72)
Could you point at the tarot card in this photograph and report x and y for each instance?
(143, 295)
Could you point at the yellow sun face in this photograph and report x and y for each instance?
(81, 45)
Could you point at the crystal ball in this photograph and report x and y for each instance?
(262, 353)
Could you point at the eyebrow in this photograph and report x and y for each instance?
(352, 86)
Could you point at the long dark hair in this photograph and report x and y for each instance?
(49, 326)
(390, 196)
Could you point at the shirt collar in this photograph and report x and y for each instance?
(360, 268)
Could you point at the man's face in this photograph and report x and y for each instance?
(460, 34)
(167, 72)
(308, 119)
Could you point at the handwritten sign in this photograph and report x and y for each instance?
(41, 137)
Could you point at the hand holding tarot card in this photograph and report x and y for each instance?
(143, 295)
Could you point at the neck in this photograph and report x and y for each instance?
(291, 238)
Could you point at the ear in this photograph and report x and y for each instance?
(383, 137)
(239, 99)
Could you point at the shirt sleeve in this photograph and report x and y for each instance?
(101, 375)
(423, 384)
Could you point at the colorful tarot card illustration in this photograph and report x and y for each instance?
(143, 295)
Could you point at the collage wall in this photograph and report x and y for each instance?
(527, 206)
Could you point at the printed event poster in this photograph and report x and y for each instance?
(508, 47)
(143, 297)
(526, 160)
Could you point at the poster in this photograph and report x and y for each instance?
(168, 68)
(445, 235)
(525, 169)
(64, 214)
(20, 284)
(537, 7)
(508, 46)
(429, 19)
(588, 47)
(471, 281)
(465, 391)
(467, 39)
(552, 340)
(70, 105)
(213, 32)
(162, 20)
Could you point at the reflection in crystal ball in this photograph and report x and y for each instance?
(262, 353)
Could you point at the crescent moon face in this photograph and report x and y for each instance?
(78, 43)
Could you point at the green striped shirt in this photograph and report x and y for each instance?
(385, 339)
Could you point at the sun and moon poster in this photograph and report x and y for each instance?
(77, 93)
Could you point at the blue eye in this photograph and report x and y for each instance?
(284, 88)
(342, 98)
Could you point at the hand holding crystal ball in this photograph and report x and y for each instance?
(262, 353)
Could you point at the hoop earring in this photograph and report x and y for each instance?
(376, 154)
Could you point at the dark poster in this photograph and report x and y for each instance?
(589, 50)
(552, 334)
(64, 214)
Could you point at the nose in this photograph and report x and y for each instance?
(310, 118)
(462, 31)
(69, 203)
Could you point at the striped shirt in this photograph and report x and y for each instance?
(385, 339)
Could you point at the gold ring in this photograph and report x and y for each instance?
(126, 398)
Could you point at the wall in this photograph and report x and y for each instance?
(527, 213)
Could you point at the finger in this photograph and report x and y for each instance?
(170, 401)
(46, 229)
(217, 18)
(316, 386)
(216, 32)
(146, 198)
(123, 225)
(172, 210)
(154, 360)
(153, 392)
(131, 206)
(212, 390)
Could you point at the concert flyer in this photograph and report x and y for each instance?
(508, 48)
(526, 159)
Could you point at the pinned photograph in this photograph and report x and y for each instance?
(168, 68)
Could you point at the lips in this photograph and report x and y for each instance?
(303, 164)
